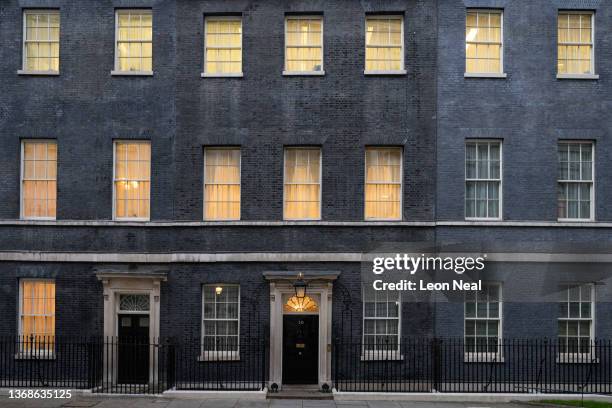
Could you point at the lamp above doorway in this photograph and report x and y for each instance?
(300, 286)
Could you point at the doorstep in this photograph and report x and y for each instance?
(300, 392)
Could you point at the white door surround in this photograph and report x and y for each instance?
(320, 285)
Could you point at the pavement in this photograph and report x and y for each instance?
(152, 402)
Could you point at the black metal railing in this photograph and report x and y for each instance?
(131, 365)
(451, 365)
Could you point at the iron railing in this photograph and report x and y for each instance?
(449, 365)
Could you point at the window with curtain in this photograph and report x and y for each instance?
(483, 41)
(39, 179)
(221, 184)
(304, 44)
(384, 44)
(221, 321)
(302, 184)
(132, 179)
(383, 189)
(381, 321)
(575, 38)
(134, 38)
(41, 40)
(37, 315)
(576, 304)
(575, 183)
(483, 320)
(482, 179)
(223, 43)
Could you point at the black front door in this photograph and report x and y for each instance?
(300, 349)
(133, 349)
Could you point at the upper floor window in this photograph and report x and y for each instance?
(383, 183)
(575, 50)
(134, 42)
(483, 319)
(303, 45)
(576, 306)
(223, 46)
(575, 183)
(38, 179)
(483, 42)
(381, 323)
(483, 179)
(37, 315)
(41, 33)
(221, 183)
(132, 180)
(302, 184)
(220, 322)
(384, 45)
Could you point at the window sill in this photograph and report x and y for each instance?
(577, 76)
(397, 72)
(234, 75)
(373, 220)
(482, 358)
(500, 75)
(575, 220)
(220, 357)
(382, 356)
(38, 73)
(303, 73)
(131, 73)
(38, 218)
(586, 358)
(468, 219)
(132, 219)
(43, 355)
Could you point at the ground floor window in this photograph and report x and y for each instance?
(576, 318)
(483, 320)
(221, 321)
(37, 315)
(381, 322)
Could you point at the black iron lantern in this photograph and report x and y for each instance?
(300, 286)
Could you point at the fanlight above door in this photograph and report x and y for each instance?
(297, 305)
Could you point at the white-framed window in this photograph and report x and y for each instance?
(38, 179)
(41, 34)
(483, 179)
(575, 49)
(302, 186)
(222, 46)
(221, 183)
(133, 41)
(484, 42)
(483, 321)
(37, 316)
(575, 181)
(220, 322)
(381, 323)
(384, 53)
(303, 45)
(576, 317)
(383, 183)
(132, 180)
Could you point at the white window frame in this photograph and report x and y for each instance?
(401, 183)
(22, 172)
(592, 74)
(501, 179)
(304, 73)
(217, 355)
(24, 70)
(240, 74)
(373, 355)
(592, 198)
(320, 183)
(116, 71)
(128, 219)
(238, 184)
(44, 355)
(382, 16)
(483, 357)
(579, 358)
(501, 73)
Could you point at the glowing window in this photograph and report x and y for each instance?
(39, 179)
(41, 40)
(223, 46)
(134, 41)
(132, 180)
